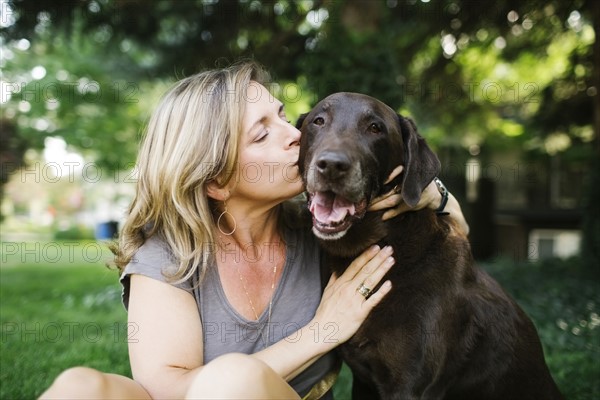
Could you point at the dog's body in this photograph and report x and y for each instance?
(447, 330)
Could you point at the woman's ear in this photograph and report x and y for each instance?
(217, 192)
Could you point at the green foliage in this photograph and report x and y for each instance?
(496, 76)
(75, 94)
(339, 58)
(436, 58)
(563, 300)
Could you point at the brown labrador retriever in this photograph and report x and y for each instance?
(447, 330)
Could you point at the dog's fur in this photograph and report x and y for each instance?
(447, 330)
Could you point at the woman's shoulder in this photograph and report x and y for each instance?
(154, 249)
(154, 258)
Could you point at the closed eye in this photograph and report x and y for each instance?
(282, 114)
(262, 136)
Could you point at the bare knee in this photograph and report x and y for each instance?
(234, 368)
(235, 364)
(77, 383)
(239, 376)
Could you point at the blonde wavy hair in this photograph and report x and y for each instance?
(191, 139)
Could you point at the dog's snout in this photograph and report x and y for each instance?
(333, 164)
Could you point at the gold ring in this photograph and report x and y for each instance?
(363, 290)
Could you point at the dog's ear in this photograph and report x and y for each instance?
(300, 121)
(303, 147)
(421, 165)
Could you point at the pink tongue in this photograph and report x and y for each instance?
(329, 208)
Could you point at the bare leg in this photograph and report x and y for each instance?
(88, 383)
(232, 376)
(238, 376)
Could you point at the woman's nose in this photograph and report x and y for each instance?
(294, 139)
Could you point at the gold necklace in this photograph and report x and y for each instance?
(268, 323)
(248, 295)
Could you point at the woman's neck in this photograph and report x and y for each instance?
(252, 228)
(256, 240)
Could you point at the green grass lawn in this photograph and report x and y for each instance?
(58, 312)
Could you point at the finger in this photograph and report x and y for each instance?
(372, 279)
(387, 200)
(360, 261)
(377, 296)
(430, 197)
(393, 212)
(366, 273)
(397, 171)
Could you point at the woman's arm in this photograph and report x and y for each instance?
(165, 345)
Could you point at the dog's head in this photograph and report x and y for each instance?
(350, 144)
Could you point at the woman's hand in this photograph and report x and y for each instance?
(343, 307)
(430, 198)
(394, 203)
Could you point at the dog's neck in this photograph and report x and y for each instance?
(364, 233)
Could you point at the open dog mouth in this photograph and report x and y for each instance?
(333, 214)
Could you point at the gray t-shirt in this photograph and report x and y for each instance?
(295, 301)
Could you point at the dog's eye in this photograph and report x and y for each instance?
(374, 128)
(319, 121)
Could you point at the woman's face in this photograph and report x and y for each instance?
(269, 147)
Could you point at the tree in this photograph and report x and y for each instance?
(507, 74)
(404, 52)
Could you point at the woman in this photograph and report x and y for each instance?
(209, 251)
